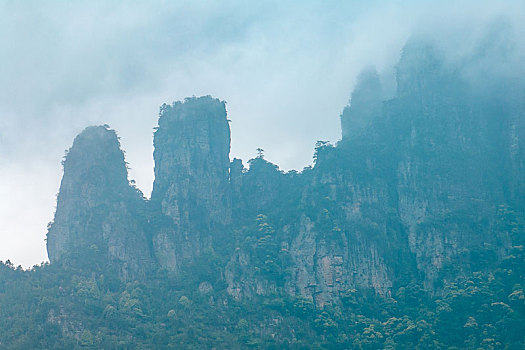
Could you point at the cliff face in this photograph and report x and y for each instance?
(191, 188)
(97, 210)
(452, 162)
(414, 192)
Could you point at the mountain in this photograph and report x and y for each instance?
(407, 233)
(97, 208)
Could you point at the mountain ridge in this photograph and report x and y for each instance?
(425, 171)
(409, 232)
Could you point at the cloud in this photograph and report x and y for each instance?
(286, 69)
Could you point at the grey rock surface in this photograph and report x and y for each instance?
(413, 193)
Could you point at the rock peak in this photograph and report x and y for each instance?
(96, 206)
(198, 108)
(191, 188)
(365, 104)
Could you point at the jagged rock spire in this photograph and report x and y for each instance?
(191, 188)
(192, 146)
(96, 207)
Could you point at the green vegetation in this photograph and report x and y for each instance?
(87, 306)
(409, 233)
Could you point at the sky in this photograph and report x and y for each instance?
(285, 68)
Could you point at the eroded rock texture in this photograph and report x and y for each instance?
(191, 192)
(98, 212)
(415, 191)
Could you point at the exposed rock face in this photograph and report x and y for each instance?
(452, 161)
(335, 231)
(97, 209)
(191, 188)
(414, 192)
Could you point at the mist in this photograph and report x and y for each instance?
(286, 70)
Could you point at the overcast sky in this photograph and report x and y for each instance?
(286, 70)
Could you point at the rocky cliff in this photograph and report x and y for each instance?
(98, 212)
(191, 192)
(413, 193)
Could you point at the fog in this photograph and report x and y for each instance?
(286, 70)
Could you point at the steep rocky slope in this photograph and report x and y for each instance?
(415, 191)
(97, 210)
(191, 192)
